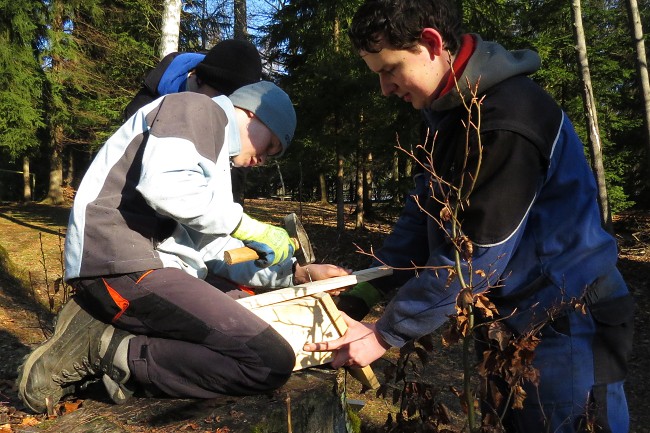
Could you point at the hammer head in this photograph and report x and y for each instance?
(304, 253)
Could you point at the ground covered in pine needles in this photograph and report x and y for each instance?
(31, 292)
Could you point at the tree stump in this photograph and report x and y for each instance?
(312, 401)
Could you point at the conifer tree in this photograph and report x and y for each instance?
(21, 114)
(95, 54)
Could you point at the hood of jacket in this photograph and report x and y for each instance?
(489, 64)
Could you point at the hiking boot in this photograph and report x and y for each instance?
(70, 356)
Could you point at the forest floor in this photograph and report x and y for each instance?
(31, 247)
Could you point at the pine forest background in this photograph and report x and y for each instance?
(69, 67)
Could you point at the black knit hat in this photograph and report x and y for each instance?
(229, 65)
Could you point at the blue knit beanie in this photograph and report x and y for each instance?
(271, 105)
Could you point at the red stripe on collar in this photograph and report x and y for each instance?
(467, 46)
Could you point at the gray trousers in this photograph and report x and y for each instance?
(192, 339)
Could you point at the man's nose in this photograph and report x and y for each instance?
(387, 87)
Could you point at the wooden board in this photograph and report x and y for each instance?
(299, 321)
(307, 314)
(311, 319)
(307, 289)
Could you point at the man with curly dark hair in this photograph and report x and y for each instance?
(532, 218)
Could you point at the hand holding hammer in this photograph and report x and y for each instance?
(303, 252)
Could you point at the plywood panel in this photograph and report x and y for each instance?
(299, 321)
(306, 313)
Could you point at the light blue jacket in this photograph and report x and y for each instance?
(158, 194)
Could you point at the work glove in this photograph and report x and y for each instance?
(358, 301)
(272, 244)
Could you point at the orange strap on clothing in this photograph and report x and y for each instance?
(122, 303)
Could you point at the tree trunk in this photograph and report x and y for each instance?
(56, 133)
(241, 22)
(55, 190)
(636, 28)
(68, 169)
(310, 402)
(283, 191)
(340, 203)
(360, 211)
(27, 181)
(323, 188)
(367, 184)
(591, 117)
(171, 22)
(396, 193)
(408, 168)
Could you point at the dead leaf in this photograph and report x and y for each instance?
(236, 414)
(444, 415)
(498, 333)
(71, 406)
(30, 421)
(464, 298)
(451, 276)
(519, 397)
(450, 336)
(495, 394)
(6, 428)
(486, 306)
(445, 213)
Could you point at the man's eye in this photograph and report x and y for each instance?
(274, 149)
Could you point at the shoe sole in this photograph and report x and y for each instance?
(68, 315)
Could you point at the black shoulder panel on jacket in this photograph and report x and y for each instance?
(521, 106)
(519, 124)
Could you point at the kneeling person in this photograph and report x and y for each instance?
(149, 226)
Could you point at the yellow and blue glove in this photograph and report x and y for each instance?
(272, 243)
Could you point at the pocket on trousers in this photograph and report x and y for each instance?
(614, 320)
(101, 299)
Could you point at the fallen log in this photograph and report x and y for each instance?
(312, 401)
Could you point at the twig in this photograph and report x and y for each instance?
(288, 400)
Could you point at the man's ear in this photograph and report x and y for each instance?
(432, 41)
(249, 114)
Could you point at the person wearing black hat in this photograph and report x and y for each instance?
(229, 65)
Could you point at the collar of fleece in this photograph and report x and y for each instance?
(467, 45)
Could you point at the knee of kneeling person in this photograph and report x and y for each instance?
(277, 358)
(274, 351)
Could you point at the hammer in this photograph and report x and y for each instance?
(304, 253)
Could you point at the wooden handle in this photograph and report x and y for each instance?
(239, 255)
(245, 254)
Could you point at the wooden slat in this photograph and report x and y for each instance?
(365, 375)
(307, 289)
